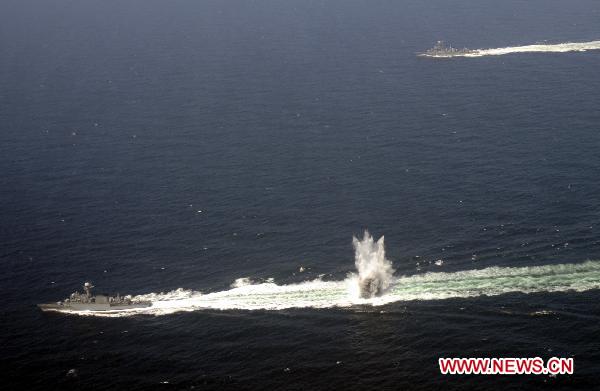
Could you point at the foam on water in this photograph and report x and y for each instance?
(491, 281)
(536, 48)
(326, 294)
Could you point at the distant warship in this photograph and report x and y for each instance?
(88, 302)
(441, 50)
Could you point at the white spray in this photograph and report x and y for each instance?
(374, 285)
(536, 48)
(374, 270)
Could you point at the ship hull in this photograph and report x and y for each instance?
(91, 306)
(447, 55)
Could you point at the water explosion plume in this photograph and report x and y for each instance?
(375, 272)
(374, 284)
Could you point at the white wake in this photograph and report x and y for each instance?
(536, 48)
(370, 261)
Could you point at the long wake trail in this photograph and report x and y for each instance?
(536, 48)
(372, 266)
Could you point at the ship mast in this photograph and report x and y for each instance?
(87, 287)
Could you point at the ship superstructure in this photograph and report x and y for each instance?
(440, 49)
(86, 301)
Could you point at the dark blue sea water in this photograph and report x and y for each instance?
(154, 145)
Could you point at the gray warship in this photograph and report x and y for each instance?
(441, 50)
(88, 302)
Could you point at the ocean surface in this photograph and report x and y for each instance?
(218, 157)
